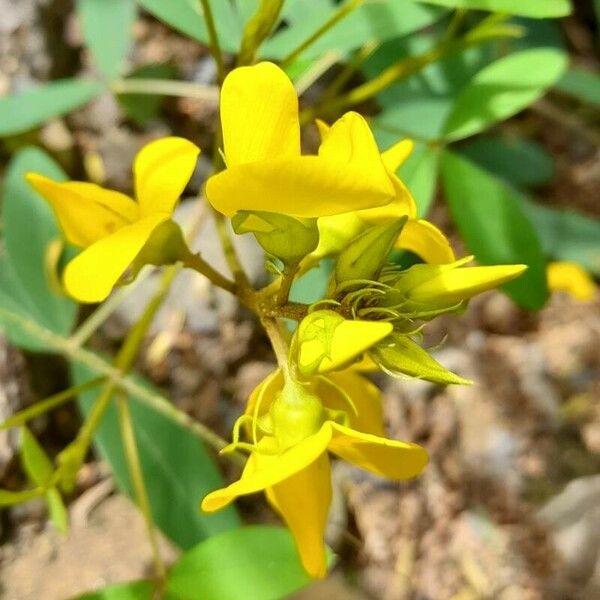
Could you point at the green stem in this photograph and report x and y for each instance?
(333, 20)
(486, 30)
(287, 279)
(215, 48)
(233, 261)
(198, 264)
(166, 87)
(89, 359)
(49, 403)
(280, 346)
(137, 478)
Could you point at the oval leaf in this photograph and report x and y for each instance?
(502, 89)
(526, 8)
(26, 110)
(253, 563)
(495, 228)
(178, 470)
(107, 31)
(29, 228)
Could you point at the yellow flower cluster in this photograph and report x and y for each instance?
(346, 202)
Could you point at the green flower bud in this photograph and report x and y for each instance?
(296, 414)
(364, 257)
(399, 355)
(287, 238)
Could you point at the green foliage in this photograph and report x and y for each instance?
(254, 563)
(137, 590)
(185, 16)
(38, 468)
(29, 228)
(177, 469)
(518, 161)
(370, 22)
(581, 84)
(142, 108)
(107, 31)
(489, 216)
(502, 89)
(527, 8)
(26, 110)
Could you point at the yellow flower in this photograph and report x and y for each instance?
(418, 235)
(295, 474)
(111, 227)
(571, 278)
(265, 169)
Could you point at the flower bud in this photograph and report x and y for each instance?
(165, 246)
(402, 356)
(288, 238)
(365, 255)
(296, 414)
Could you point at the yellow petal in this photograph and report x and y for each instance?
(303, 501)
(326, 341)
(91, 275)
(86, 212)
(365, 397)
(402, 204)
(161, 171)
(336, 231)
(427, 241)
(265, 393)
(395, 156)
(391, 459)
(269, 470)
(307, 186)
(323, 128)
(455, 285)
(259, 115)
(571, 278)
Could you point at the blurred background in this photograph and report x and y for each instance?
(510, 504)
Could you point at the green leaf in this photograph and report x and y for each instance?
(107, 31)
(185, 16)
(581, 84)
(504, 88)
(420, 174)
(419, 106)
(253, 563)
(9, 498)
(371, 22)
(29, 227)
(527, 8)
(35, 461)
(177, 469)
(312, 286)
(494, 227)
(26, 110)
(143, 108)
(566, 235)
(517, 161)
(57, 511)
(137, 590)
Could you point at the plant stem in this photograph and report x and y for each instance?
(280, 346)
(137, 478)
(287, 279)
(486, 30)
(215, 48)
(198, 264)
(49, 403)
(333, 20)
(166, 87)
(89, 359)
(230, 253)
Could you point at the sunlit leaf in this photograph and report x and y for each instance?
(526, 8)
(502, 89)
(107, 27)
(494, 227)
(25, 110)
